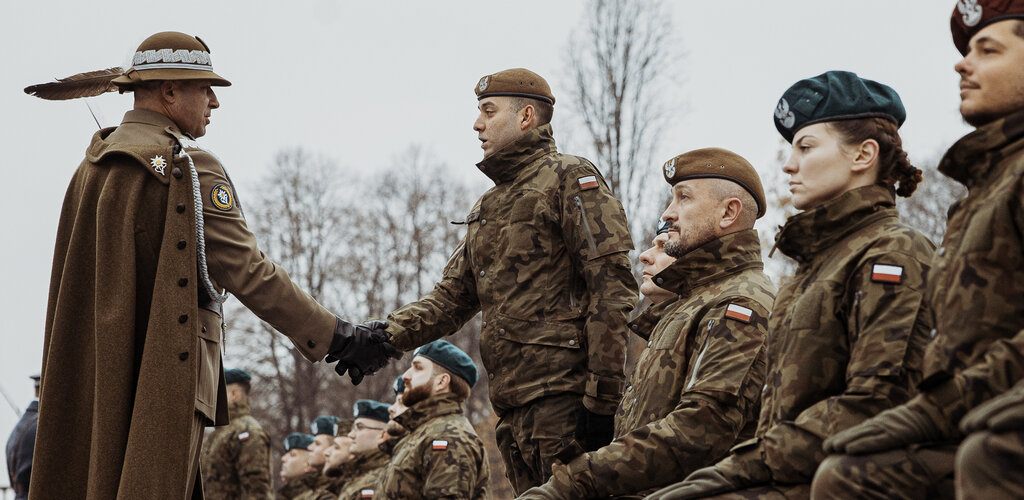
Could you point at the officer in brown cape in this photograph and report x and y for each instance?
(236, 457)
(545, 259)
(150, 240)
(968, 421)
(696, 389)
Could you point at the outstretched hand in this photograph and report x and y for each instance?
(360, 350)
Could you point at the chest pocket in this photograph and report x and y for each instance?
(525, 231)
(673, 333)
(807, 310)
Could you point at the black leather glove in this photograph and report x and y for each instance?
(595, 430)
(360, 350)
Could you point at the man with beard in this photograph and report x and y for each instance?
(298, 476)
(337, 466)
(964, 432)
(696, 388)
(394, 431)
(368, 459)
(442, 457)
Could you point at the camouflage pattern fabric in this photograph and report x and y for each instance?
(534, 437)
(367, 473)
(697, 387)
(442, 457)
(236, 459)
(917, 472)
(303, 487)
(545, 258)
(991, 465)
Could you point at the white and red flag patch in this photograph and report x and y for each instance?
(883, 273)
(738, 313)
(243, 436)
(365, 493)
(588, 182)
(439, 444)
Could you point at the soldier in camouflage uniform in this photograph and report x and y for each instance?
(324, 429)
(395, 431)
(299, 478)
(848, 330)
(442, 457)
(338, 465)
(236, 460)
(545, 258)
(369, 461)
(976, 293)
(696, 389)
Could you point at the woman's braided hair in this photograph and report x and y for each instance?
(893, 165)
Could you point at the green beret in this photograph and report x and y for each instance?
(517, 82)
(236, 375)
(451, 358)
(398, 385)
(663, 227)
(833, 96)
(326, 424)
(970, 16)
(368, 408)
(716, 163)
(297, 441)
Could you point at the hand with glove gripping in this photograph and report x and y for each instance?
(1002, 413)
(917, 421)
(744, 468)
(360, 349)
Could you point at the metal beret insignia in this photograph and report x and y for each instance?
(221, 197)
(670, 168)
(970, 11)
(483, 83)
(783, 114)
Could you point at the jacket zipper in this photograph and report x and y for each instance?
(586, 227)
(700, 358)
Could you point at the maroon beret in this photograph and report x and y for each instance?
(970, 16)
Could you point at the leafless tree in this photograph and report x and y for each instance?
(926, 209)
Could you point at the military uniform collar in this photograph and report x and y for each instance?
(238, 409)
(370, 460)
(506, 163)
(643, 324)
(971, 160)
(810, 232)
(432, 407)
(712, 261)
(147, 117)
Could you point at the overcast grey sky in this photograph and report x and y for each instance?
(360, 81)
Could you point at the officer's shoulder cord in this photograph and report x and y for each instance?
(197, 197)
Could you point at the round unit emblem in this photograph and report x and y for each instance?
(221, 197)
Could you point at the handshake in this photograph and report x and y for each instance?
(360, 349)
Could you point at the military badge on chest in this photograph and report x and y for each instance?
(221, 197)
(159, 164)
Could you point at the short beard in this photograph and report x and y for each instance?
(395, 429)
(413, 395)
(696, 236)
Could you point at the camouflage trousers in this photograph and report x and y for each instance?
(774, 492)
(991, 466)
(533, 437)
(916, 472)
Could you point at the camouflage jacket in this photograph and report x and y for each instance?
(847, 332)
(236, 459)
(441, 457)
(976, 287)
(545, 257)
(696, 389)
(303, 487)
(367, 472)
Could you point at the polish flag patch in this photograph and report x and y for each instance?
(365, 493)
(439, 444)
(738, 313)
(588, 182)
(243, 436)
(882, 273)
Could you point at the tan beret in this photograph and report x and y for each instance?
(716, 163)
(170, 56)
(517, 82)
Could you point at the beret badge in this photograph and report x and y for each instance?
(970, 10)
(483, 83)
(670, 168)
(783, 114)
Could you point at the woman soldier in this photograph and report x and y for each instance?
(848, 330)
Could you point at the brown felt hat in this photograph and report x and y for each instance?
(716, 163)
(517, 82)
(970, 16)
(170, 56)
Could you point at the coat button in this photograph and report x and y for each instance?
(182, 281)
(650, 343)
(629, 388)
(501, 331)
(483, 324)
(490, 376)
(176, 173)
(659, 280)
(183, 356)
(311, 344)
(204, 328)
(942, 251)
(483, 222)
(572, 342)
(181, 244)
(183, 318)
(180, 208)
(481, 273)
(934, 332)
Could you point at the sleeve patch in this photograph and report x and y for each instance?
(588, 182)
(882, 273)
(221, 197)
(738, 313)
(365, 493)
(243, 436)
(439, 444)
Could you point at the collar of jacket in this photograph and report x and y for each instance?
(976, 155)
(238, 409)
(148, 117)
(643, 324)
(712, 261)
(370, 460)
(432, 407)
(506, 163)
(808, 233)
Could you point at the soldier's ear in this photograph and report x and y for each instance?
(865, 156)
(529, 117)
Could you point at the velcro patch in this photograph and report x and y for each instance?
(365, 493)
(588, 182)
(439, 444)
(738, 313)
(883, 273)
(243, 436)
(221, 197)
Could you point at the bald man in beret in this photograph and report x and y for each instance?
(545, 259)
(696, 389)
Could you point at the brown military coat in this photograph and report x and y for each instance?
(545, 257)
(367, 474)
(236, 459)
(441, 457)
(696, 389)
(128, 355)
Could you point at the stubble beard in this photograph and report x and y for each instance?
(689, 239)
(415, 394)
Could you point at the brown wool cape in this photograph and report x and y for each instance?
(120, 349)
